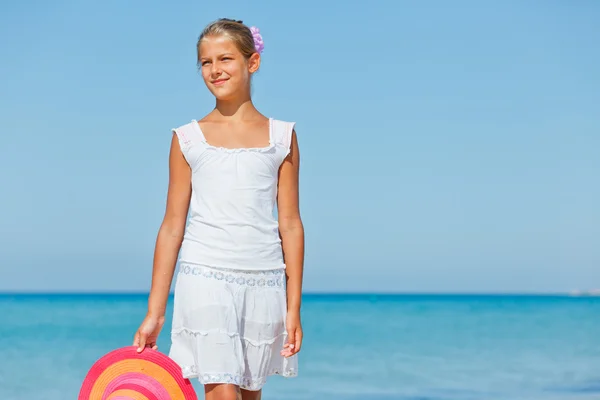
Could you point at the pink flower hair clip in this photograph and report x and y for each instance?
(258, 40)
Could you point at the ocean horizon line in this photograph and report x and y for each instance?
(314, 294)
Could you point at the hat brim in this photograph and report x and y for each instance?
(126, 374)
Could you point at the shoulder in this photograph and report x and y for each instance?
(184, 127)
(285, 135)
(285, 122)
(186, 132)
(186, 135)
(285, 129)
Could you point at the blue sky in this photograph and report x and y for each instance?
(446, 146)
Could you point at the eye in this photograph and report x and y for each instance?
(205, 62)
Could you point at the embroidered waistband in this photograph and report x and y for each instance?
(260, 278)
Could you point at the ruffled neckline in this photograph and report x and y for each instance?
(237, 149)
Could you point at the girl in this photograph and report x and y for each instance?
(236, 317)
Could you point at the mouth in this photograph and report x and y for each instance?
(219, 82)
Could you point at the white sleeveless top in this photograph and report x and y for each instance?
(234, 191)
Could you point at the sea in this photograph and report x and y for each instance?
(356, 346)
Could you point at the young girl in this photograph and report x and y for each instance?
(236, 317)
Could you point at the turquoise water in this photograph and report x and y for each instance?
(406, 347)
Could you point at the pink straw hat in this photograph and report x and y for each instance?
(125, 374)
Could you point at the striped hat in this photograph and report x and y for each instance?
(125, 374)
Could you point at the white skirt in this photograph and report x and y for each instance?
(229, 326)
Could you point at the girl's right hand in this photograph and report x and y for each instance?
(148, 332)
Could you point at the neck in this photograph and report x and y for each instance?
(239, 108)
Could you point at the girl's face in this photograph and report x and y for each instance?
(225, 71)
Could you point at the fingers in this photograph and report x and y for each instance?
(136, 339)
(291, 341)
(290, 346)
(288, 350)
(298, 343)
(142, 337)
(141, 342)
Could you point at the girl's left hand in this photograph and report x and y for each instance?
(294, 333)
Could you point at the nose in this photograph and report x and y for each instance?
(215, 70)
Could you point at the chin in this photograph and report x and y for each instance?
(224, 96)
(222, 93)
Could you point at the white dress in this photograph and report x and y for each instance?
(230, 298)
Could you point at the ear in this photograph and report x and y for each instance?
(254, 63)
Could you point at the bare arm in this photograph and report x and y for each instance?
(170, 234)
(290, 225)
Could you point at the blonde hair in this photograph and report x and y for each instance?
(235, 30)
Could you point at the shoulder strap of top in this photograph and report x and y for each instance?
(196, 132)
(282, 134)
(189, 135)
